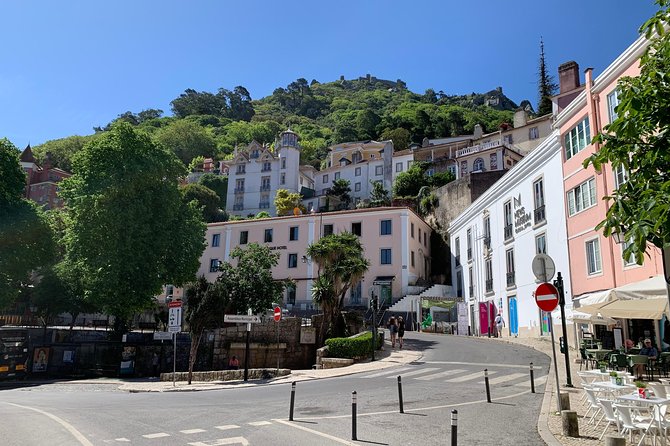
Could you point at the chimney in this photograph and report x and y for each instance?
(479, 131)
(520, 118)
(568, 76)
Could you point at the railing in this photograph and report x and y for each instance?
(539, 215)
(487, 242)
(478, 148)
(241, 171)
(265, 187)
(472, 291)
(264, 205)
(239, 190)
(266, 169)
(489, 285)
(469, 253)
(508, 232)
(511, 279)
(458, 260)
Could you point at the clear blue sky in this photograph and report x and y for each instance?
(69, 65)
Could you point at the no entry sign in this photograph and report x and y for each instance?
(277, 314)
(546, 296)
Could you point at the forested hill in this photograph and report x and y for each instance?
(212, 123)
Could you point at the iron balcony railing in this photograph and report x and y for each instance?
(511, 280)
(508, 232)
(539, 215)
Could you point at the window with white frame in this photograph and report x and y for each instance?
(324, 179)
(538, 199)
(385, 227)
(471, 282)
(507, 215)
(357, 172)
(283, 163)
(620, 175)
(457, 251)
(268, 236)
(293, 260)
(213, 265)
(612, 102)
(267, 166)
(244, 237)
(541, 244)
(509, 260)
(241, 168)
(356, 293)
(593, 261)
(337, 176)
(328, 230)
(468, 243)
(452, 169)
(478, 165)
(398, 167)
(533, 133)
(582, 197)
(577, 139)
(293, 233)
(379, 170)
(630, 260)
(216, 239)
(411, 230)
(489, 276)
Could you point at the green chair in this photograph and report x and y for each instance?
(587, 359)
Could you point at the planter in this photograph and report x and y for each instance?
(619, 381)
(613, 379)
(603, 369)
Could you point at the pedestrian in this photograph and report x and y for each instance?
(155, 361)
(393, 328)
(500, 323)
(234, 363)
(401, 330)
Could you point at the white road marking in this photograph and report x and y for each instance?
(71, 429)
(125, 440)
(312, 431)
(440, 374)
(221, 441)
(156, 435)
(259, 423)
(227, 426)
(507, 366)
(538, 382)
(417, 372)
(504, 378)
(469, 377)
(387, 372)
(192, 431)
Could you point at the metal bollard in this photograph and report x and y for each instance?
(454, 427)
(532, 380)
(402, 410)
(290, 415)
(486, 381)
(353, 415)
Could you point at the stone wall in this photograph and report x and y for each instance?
(227, 375)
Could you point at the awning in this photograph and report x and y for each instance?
(383, 280)
(598, 297)
(596, 319)
(632, 309)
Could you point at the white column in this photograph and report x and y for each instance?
(404, 252)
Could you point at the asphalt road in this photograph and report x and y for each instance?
(449, 376)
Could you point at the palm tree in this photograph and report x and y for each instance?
(341, 264)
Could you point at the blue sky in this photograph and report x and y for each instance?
(69, 65)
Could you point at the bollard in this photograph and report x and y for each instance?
(486, 381)
(400, 395)
(615, 440)
(570, 424)
(532, 380)
(290, 415)
(454, 427)
(565, 401)
(353, 415)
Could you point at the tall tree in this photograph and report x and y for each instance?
(286, 202)
(637, 142)
(219, 184)
(128, 231)
(545, 84)
(341, 264)
(340, 193)
(206, 199)
(379, 196)
(187, 140)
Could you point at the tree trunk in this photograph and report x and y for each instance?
(195, 343)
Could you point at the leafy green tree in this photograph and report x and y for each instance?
(400, 137)
(408, 183)
(206, 199)
(341, 264)
(286, 202)
(61, 151)
(546, 85)
(262, 214)
(187, 140)
(128, 231)
(379, 196)
(340, 193)
(637, 141)
(219, 184)
(26, 239)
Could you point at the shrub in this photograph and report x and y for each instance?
(354, 347)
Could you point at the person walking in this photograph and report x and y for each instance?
(401, 330)
(393, 329)
(500, 323)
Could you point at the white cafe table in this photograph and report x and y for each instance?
(611, 387)
(649, 402)
(603, 375)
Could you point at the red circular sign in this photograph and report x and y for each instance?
(277, 314)
(546, 296)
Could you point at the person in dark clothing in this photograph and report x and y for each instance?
(401, 330)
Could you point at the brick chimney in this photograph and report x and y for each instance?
(568, 76)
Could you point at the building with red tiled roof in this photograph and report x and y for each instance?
(42, 180)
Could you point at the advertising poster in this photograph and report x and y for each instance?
(40, 359)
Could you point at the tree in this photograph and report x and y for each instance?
(187, 140)
(206, 199)
(219, 184)
(286, 202)
(379, 196)
(26, 239)
(340, 192)
(340, 265)
(637, 142)
(400, 137)
(546, 85)
(409, 182)
(128, 231)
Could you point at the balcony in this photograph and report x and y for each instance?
(458, 260)
(489, 285)
(469, 253)
(240, 171)
(264, 205)
(487, 241)
(266, 169)
(508, 232)
(265, 188)
(479, 148)
(238, 207)
(511, 280)
(539, 216)
(472, 291)
(239, 190)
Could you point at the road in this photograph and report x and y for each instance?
(449, 376)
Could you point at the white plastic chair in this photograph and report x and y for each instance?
(594, 405)
(659, 389)
(629, 425)
(609, 416)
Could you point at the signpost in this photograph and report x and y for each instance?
(248, 319)
(277, 318)
(174, 327)
(277, 314)
(546, 297)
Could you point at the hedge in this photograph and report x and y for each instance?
(354, 347)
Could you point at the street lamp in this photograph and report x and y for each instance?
(373, 307)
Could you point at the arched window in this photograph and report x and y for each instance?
(478, 165)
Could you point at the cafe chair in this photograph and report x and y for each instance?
(594, 405)
(587, 359)
(630, 424)
(619, 361)
(609, 416)
(659, 389)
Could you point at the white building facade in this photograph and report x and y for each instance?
(495, 239)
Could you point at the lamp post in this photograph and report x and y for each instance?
(373, 307)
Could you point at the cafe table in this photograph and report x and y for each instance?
(612, 388)
(599, 354)
(650, 402)
(596, 373)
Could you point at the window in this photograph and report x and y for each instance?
(282, 178)
(379, 170)
(268, 236)
(457, 251)
(577, 139)
(239, 185)
(213, 265)
(582, 197)
(612, 102)
(487, 232)
(325, 179)
(244, 237)
(357, 187)
(620, 176)
(533, 133)
(507, 211)
(507, 139)
(459, 283)
(293, 260)
(489, 276)
(411, 230)
(630, 260)
(509, 255)
(385, 227)
(493, 161)
(336, 176)
(425, 242)
(471, 282)
(357, 172)
(356, 293)
(356, 158)
(293, 233)
(452, 169)
(216, 239)
(290, 294)
(267, 166)
(241, 168)
(541, 244)
(385, 256)
(398, 167)
(538, 197)
(265, 184)
(327, 230)
(409, 164)
(283, 163)
(469, 243)
(593, 263)
(356, 228)
(478, 165)
(411, 258)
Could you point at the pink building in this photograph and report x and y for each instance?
(396, 242)
(41, 181)
(596, 262)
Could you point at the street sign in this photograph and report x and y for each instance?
(543, 267)
(162, 336)
(277, 314)
(242, 318)
(176, 329)
(174, 316)
(546, 296)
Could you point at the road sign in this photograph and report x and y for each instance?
(176, 329)
(543, 267)
(546, 296)
(174, 316)
(242, 318)
(162, 336)
(277, 314)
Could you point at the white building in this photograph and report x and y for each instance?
(495, 239)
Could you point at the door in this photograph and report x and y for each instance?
(483, 318)
(513, 316)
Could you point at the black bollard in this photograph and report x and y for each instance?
(400, 395)
(290, 415)
(454, 427)
(532, 380)
(353, 415)
(486, 381)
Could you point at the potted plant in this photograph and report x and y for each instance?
(641, 389)
(619, 380)
(603, 366)
(613, 376)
